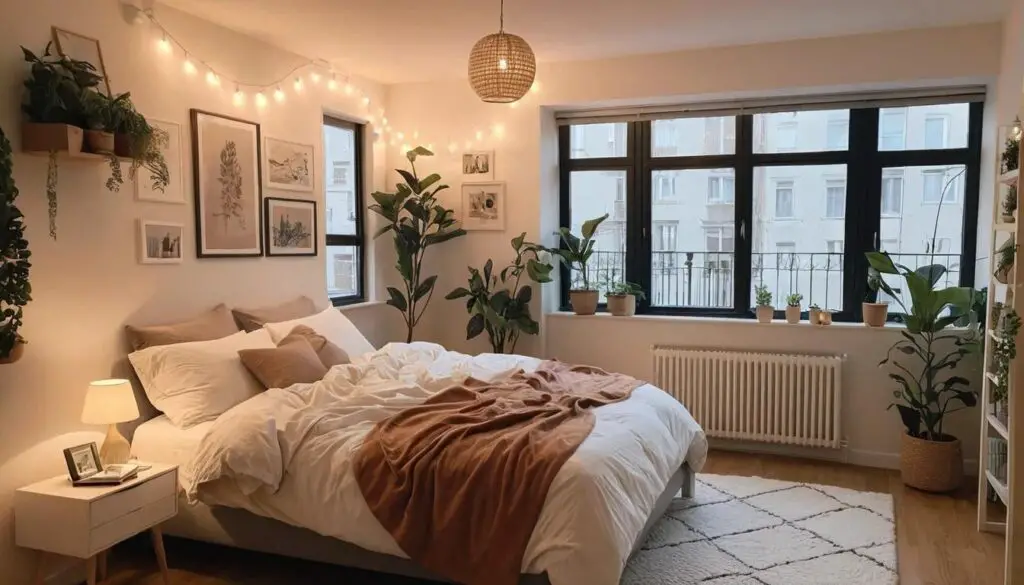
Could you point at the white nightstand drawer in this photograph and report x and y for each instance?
(122, 502)
(113, 532)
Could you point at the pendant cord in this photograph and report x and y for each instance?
(501, 21)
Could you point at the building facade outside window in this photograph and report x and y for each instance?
(344, 211)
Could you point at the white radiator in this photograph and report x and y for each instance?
(774, 398)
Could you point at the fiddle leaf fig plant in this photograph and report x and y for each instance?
(15, 289)
(417, 221)
(577, 250)
(500, 303)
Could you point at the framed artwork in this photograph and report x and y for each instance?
(478, 165)
(228, 190)
(289, 165)
(82, 48)
(483, 206)
(82, 461)
(174, 192)
(291, 227)
(160, 242)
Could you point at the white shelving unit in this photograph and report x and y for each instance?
(1005, 479)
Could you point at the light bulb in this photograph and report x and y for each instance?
(406, 147)
(400, 136)
(498, 130)
(332, 83)
(314, 77)
(384, 121)
(415, 134)
(261, 100)
(164, 46)
(535, 88)
(298, 84)
(452, 147)
(239, 98)
(348, 89)
(212, 78)
(189, 68)
(366, 101)
(502, 64)
(278, 94)
(479, 134)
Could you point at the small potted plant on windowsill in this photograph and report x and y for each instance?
(1009, 205)
(875, 313)
(814, 314)
(793, 308)
(1005, 258)
(576, 252)
(622, 298)
(763, 299)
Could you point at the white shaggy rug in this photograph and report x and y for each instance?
(757, 531)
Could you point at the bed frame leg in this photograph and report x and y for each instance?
(689, 482)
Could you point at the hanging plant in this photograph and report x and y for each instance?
(15, 290)
(1009, 204)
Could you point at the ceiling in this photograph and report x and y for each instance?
(395, 41)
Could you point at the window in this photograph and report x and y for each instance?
(598, 140)
(892, 194)
(697, 225)
(935, 131)
(721, 189)
(344, 211)
(835, 199)
(784, 200)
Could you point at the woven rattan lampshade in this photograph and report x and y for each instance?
(501, 66)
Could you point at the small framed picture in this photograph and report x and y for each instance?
(288, 165)
(82, 48)
(291, 227)
(160, 242)
(83, 461)
(169, 142)
(483, 206)
(478, 166)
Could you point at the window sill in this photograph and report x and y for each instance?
(680, 319)
(356, 305)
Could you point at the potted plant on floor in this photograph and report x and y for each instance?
(793, 308)
(930, 459)
(875, 314)
(1005, 258)
(576, 252)
(763, 299)
(500, 303)
(15, 290)
(814, 314)
(417, 221)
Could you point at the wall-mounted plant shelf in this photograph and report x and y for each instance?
(1009, 177)
(66, 140)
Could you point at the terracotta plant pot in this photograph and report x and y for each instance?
(875, 314)
(1006, 218)
(793, 314)
(765, 314)
(584, 302)
(123, 145)
(99, 141)
(932, 466)
(16, 353)
(1003, 274)
(622, 305)
(814, 316)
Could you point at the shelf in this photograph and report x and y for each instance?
(1004, 227)
(999, 487)
(999, 427)
(1009, 177)
(68, 155)
(994, 337)
(992, 378)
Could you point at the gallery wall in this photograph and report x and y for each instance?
(88, 284)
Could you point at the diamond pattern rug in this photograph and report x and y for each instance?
(757, 531)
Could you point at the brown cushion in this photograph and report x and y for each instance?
(253, 319)
(213, 324)
(284, 365)
(330, 354)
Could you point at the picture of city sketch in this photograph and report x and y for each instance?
(289, 165)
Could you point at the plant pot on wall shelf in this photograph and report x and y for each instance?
(932, 466)
(1002, 275)
(16, 354)
(875, 314)
(98, 141)
(584, 302)
(46, 138)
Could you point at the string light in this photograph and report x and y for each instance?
(212, 78)
(298, 84)
(430, 146)
(261, 100)
(164, 45)
(314, 77)
(239, 98)
(406, 147)
(384, 121)
(400, 136)
(278, 95)
(366, 101)
(348, 88)
(332, 83)
(498, 130)
(190, 69)
(479, 134)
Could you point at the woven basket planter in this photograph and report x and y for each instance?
(931, 466)
(584, 302)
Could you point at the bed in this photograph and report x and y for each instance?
(599, 509)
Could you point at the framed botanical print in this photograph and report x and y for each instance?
(228, 188)
(288, 165)
(169, 143)
(291, 227)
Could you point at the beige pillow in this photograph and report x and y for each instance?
(289, 363)
(213, 324)
(330, 355)
(253, 319)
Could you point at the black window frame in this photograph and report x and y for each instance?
(864, 161)
(356, 240)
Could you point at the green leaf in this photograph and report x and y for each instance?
(538, 271)
(517, 242)
(524, 295)
(424, 288)
(931, 273)
(397, 299)
(500, 301)
(475, 326)
(418, 151)
(442, 237)
(590, 226)
(430, 180)
(404, 264)
(881, 262)
(410, 180)
(383, 231)
(458, 294)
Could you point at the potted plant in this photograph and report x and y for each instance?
(825, 318)
(1005, 258)
(417, 221)
(875, 314)
(763, 299)
(1009, 205)
(930, 459)
(1004, 350)
(793, 308)
(1011, 152)
(814, 314)
(136, 138)
(15, 289)
(500, 303)
(622, 297)
(100, 111)
(576, 252)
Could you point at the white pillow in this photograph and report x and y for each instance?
(200, 380)
(332, 325)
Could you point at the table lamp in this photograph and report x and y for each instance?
(108, 402)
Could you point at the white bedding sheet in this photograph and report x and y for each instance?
(158, 440)
(288, 454)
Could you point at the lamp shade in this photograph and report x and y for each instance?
(108, 402)
(501, 68)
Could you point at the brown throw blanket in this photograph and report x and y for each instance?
(460, 481)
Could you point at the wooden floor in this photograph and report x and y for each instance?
(937, 537)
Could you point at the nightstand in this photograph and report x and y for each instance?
(54, 517)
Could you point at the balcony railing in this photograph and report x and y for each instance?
(705, 280)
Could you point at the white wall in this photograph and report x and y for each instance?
(526, 160)
(87, 284)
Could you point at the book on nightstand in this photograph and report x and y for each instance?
(111, 475)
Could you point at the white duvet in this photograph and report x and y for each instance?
(288, 454)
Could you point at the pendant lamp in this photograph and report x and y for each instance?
(501, 66)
